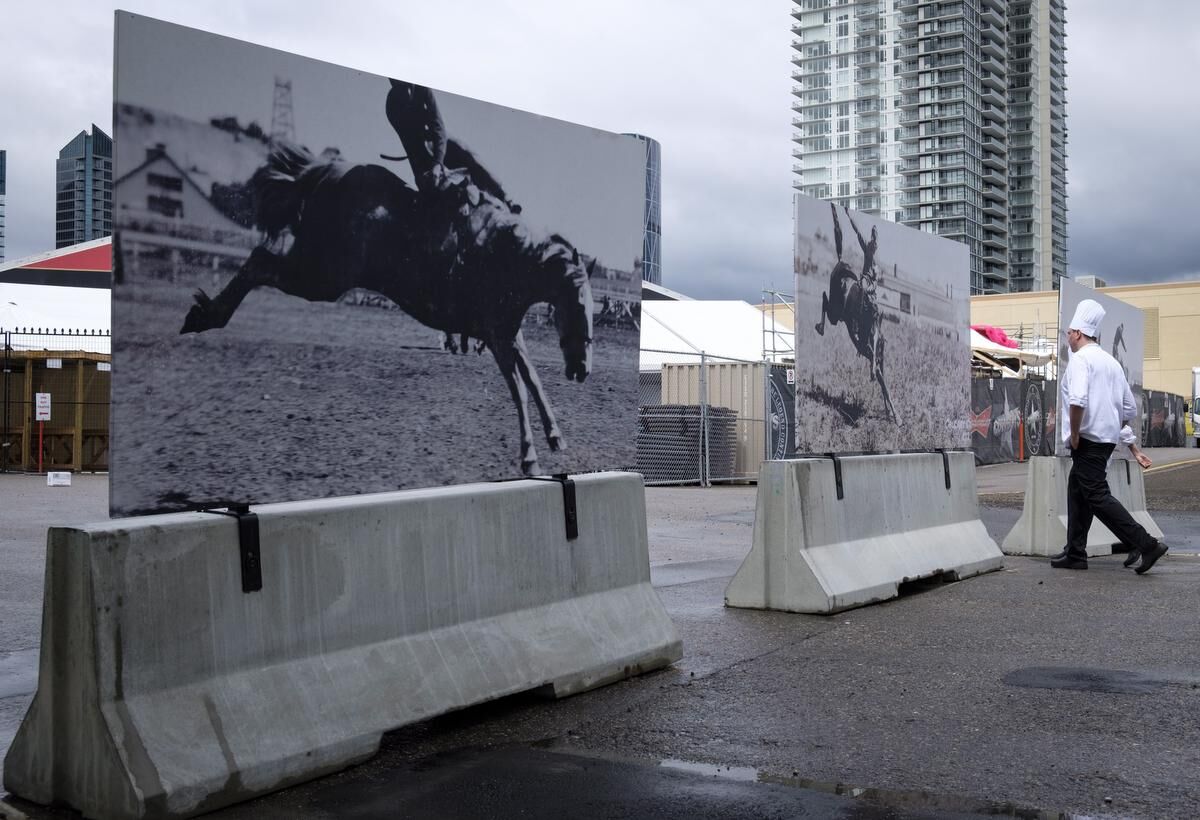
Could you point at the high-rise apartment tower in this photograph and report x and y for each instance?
(84, 188)
(945, 116)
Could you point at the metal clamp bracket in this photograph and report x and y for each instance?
(570, 511)
(945, 465)
(837, 473)
(1128, 477)
(248, 544)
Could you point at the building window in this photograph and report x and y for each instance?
(165, 182)
(164, 205)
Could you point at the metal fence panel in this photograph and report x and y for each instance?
(703, 418)
(670, 446)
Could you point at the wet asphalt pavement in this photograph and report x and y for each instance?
(1028, 692)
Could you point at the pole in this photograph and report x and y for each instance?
(768, 369)
(703, 420)
(41, 422)
(7, 445)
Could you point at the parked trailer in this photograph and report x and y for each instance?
(1194, 410)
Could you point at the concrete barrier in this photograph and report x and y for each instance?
(1128, 485)
(1042, 527)
(896, 522)
(166, 691)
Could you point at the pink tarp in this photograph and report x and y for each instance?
(996, 335)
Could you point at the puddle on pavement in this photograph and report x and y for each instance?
(889, 798)
(1110, 681)
(742, 773)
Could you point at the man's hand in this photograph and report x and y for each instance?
(1074, 441)
(1144, 460)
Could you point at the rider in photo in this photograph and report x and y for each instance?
(853, 300)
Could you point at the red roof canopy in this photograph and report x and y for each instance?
(94, 259)
(86, 265)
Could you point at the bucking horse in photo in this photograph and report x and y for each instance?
(852, 300)
(454, 253)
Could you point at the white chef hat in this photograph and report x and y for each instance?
(1088, 316)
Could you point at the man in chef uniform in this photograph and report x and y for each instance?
(1096, 403)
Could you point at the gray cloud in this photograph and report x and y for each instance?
(1132, 118)
(708, 79)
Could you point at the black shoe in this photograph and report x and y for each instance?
(1132, 557)
(1150, 557)
(1069, 562)
(1058, 556)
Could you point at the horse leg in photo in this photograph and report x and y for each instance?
(464, 343)
(887, 400)
(820, 326)
(554, 436)
(506, 360)
(448, 343)
(877, 366)
(873, 349)
(261, 268)
(877, 350)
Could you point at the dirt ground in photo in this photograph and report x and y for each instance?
(303, 400)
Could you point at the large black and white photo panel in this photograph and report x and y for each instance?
(1122, 333)
(329, 282)
(882, 349)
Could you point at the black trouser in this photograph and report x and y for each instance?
(1088, 497)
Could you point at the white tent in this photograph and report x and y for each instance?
(674, 332)
(50, 307)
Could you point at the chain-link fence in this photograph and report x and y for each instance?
(54, 400)
(706, 418)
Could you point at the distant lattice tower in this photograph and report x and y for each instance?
(283, 125)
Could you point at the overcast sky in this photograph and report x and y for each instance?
(709, 79)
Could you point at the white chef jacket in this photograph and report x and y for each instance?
(1095, 381)
(1122, 449)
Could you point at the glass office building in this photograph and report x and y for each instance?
(652, 242)
(84, 188)
(948, 116)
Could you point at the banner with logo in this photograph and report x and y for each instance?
(781, 413)
(1012, 419)
(1163, 420)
